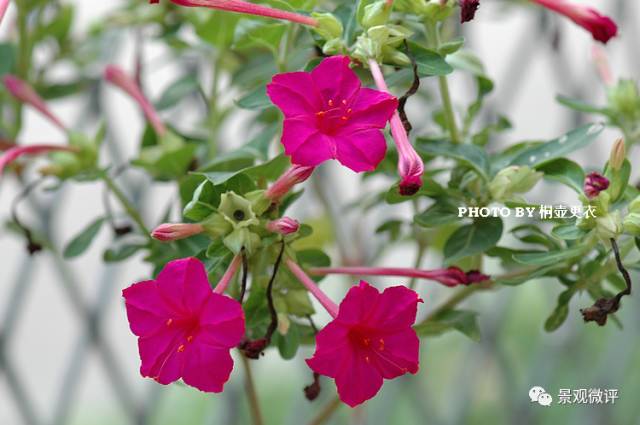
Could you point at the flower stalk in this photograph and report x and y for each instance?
(327, 303)
(228, 274)
(24, 93)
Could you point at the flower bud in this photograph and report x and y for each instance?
(168, 232)
(284, 226)
(468, 10)
(24, 93)
(618, 155)
(296, 174)
(609, 226)
(634, 206)
(373, 14)
(631, 224)
(595, 183)
(512, 180)
(329, 27)
(624, 100)
(334, 46)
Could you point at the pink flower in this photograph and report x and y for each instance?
(116, 76)
(4, 4)
(410, 165)
(247, 8)
(468, 10)
(371, 339)
(601, 27)
(595, 183)
(452, 276)
(284, 226)
(284, 184)
(175, 231)
(184, 329)
(23, 92)
(329, 115)
(17, 151)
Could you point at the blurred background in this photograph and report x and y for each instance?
(67, 355)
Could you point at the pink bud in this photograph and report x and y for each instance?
(116, 76)
(239, 6)
(168, 232)
(468, 10)
(4, 4)
(23, 92)
(284, 226)
(594, 184)
(294, 175)
(15, 152)
(601, 27)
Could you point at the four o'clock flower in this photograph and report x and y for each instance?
(15, 152)
(410, 165)
(247, 8)
(293, 176)
(601, 27)
(329, 115)
(284, 226)
(452, 276)
(24, 93)
(370, 338)
(595, 183)
(184, 329)
(116, 76)
(168, 232)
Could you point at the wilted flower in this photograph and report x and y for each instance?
(329, 115)
(468, 10)
(184, 329)
(601, 27)
(23, 92)
(595, 183)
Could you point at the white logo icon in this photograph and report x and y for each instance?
(540, 396)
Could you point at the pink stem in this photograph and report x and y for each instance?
(4, 4)
(15, 152)
(239, 6)
(330, 306)
(376, 271)
(228, 275)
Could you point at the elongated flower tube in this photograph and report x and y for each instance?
(294, 175)
(168, 232)
(228, 275)
(602, 64)
(24, 93)
(4, 4)
(308, 283)
(116, 76)
(410, 165)
(244, 7)
(452, 276)
(15, 152)
(601, 27)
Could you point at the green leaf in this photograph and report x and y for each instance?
(177, 91)
(438, 214)
(113, 255)
(429, 62)
(7, 58)
(256, 99)
(564, 171)
(638, 243)
(578, 105)
(451, 46)
(474, 238)
(82, 241)
(568, 232)
(219, 29)
(561, 312)
(463, 321)
(545, 271)
(268, 171)
(544, 153)
(250, 35)
(470, 155)
(288, 344)
(549, 257)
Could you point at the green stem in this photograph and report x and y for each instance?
(127, 205)
(326, 413)
(252, 395)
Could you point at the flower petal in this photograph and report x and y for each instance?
(146, 310)
(397, 353)
(294, 94)
(221, 322)
(156, 349)
(361, 150)
(332, 349)
(184, 284)
(305, 144)
(335, 80)
(372, 109)
(358, 303)
(358, 381)
(207, 368)
(396, 309)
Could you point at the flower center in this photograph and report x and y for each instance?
(189, 327)
(238, 215)
(335, 115)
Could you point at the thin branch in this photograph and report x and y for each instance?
(252, 396)
(32, 245)
(412, 90)
(245, 275)
(327, 412)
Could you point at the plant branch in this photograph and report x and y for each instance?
(127, 205)
(326, 413)
(252, 396)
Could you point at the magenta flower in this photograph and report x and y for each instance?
(595, 183)
(24, 93)
(284, 226)
(293, 176)
(410, 165)
(247, 8)
(329, 115)
(452, 276)
(116, 76)
(168, 232)
(4, 4)
(185, 330)
(601, 27)
(371, 339)
(468, 10)
(15, 152)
